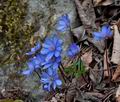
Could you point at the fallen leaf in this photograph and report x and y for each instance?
(99, 44)
(116, 46)
(79, 32)
(116, 73)
(86, 13)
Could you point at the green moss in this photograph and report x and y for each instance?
(14, 35)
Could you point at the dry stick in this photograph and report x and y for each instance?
(62, 74)
(62, 68)
(109, 74)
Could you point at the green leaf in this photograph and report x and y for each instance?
(76, 69)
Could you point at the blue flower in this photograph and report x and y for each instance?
(34, 49)
(53, 63)
(30, 69)
(63, 23)
(73, 50)
(104, 33)
(33, 64)
(50, 79)
(52, 47)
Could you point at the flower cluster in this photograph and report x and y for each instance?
(63, 23)
(73, 50)
(104, 33)
(47, 57)
(52, 49)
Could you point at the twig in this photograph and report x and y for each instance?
(109, 73)
(62, 74)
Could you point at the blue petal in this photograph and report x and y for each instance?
(98, 35)
(44, 80)
(58, 82)
(44, 51)
(49, 56)
(104, 29)
(70, 54)
(44, 75)
(45, 87)
(57, 53)
(46, 45)
(38, 46)
(62, 23)
(47, 65)
(49, 87)
(55, 40)
(59, 48)
(54, 85)
(30, 65)
(26, 72)
(60, 42)
(61, 28)
(55, 65)
(33, 49)
(50, 71)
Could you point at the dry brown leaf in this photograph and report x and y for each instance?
(116, 73)
(102, 2)
(87, 57)
(116, 46)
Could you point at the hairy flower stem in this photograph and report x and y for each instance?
(37, 73)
